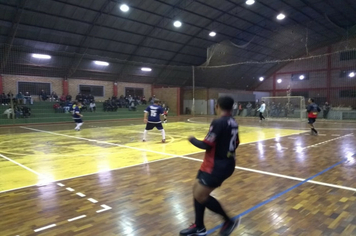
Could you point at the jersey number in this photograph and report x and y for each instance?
(233, 140)
(153, 113)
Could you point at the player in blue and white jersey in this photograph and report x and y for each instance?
(152, 119)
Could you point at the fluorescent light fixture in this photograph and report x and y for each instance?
(101, 63)
(281, 16)
(261, 79)
(177, 24)
(124, 8)
(146, 69)
(279, 81)
(352, 74)
(250, 2)
(41, 56)
(301, 77)
(212, 34)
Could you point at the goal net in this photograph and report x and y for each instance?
(285, 107)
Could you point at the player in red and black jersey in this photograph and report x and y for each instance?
(313, 110)
(218, 165)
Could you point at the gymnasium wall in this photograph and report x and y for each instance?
(169, 95)
(9, 83)
(324, 82)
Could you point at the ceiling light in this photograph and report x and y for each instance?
(261, 79)
(146, 69)
(41, 56)
(281, 16)
(301, 77)
(124, 8)
(279, 81)
(101, 63)
(250, 2)
(352, 74)
(212, 34)
(177, 24)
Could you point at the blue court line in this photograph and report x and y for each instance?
(278, 195)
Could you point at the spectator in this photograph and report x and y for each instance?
(68, 98)
(54, 96)
(26, 112)
(240, 109)
(28, 98)
(326, 109)
(132, 106)
(91, 98)
(8, 112)
(234, 109)
(249, 109)
(143, 100)
(57, 108)
(79, 97)
(4, 100)
(92, 106)
(43, 95)
(19, 98)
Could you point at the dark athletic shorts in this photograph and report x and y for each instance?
(212, 181)
(311, 120)
(150, 126)
(78, 120)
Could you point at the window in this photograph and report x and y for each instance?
(347, 93)
(33, 88)
(134, 92)
(349, 55)
(97, 91)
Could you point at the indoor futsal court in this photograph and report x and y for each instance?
(79, 80)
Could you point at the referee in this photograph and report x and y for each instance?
(218, 165)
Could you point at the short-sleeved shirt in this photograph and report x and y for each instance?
(222, 138)
(76, 112)
(313, 110)
(154, 112)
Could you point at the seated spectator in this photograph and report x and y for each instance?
(91, 98)
(68, 98)
(26, 112)
(19, 98)
(43, 95)
(79, 97)
(62, 98)
(54, 96)
(3, 99)
(57, 108)
(8, 112)
(92, 106)
(28, 98)
(132, 106)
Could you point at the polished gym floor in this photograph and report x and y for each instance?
(103, 180)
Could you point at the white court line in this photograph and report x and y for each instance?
(92, 200)
(81, 194)
(45, 227)
(336, 135)
(25, 167)
(105, 208)
(292, 137)
(77, 218)
(318, 144)
(60, 184)
(284, 176)
(70, 189)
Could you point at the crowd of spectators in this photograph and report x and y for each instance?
(129, 102)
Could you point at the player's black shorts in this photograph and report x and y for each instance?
(311, 120)
(150, 126)
(78, 120)
(213, 181)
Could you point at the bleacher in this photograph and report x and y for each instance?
(43, 112)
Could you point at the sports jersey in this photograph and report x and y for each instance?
(313, 110)
(76, 112)
(223, 139)
(154, 112)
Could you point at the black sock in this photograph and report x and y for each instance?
(314, 130)
(199, 214)
(213, 205)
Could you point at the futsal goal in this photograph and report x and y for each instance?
(285, 107)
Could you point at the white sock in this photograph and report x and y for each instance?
(144, 134)
(163, 134)
(78, 125)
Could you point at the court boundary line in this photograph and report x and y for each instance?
(283, 176)
(277, 195)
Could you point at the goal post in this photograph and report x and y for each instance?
(285, 107)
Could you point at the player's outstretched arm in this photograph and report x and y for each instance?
(199, 144)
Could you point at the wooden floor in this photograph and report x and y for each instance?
(104, 181)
